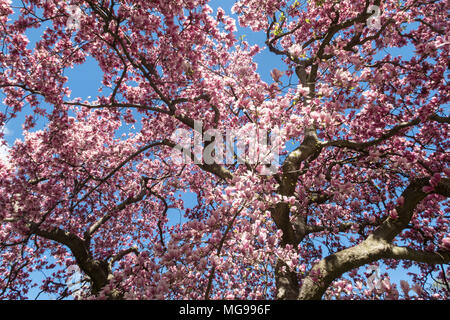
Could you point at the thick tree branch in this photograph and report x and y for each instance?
(370, 250)
(377, 245)
(412, 196)
(405, 253)
(97, 270)
(360, 146)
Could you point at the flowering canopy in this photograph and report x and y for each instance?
(366, 183)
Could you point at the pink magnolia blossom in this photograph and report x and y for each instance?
(276, 75)
(446, 243)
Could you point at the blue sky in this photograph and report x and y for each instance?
(84, 81)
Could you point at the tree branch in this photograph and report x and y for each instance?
(405, 253)
(130, 200)
(219, 249)
(122, 254)
(377, 245)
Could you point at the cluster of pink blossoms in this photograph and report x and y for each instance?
(364, 175)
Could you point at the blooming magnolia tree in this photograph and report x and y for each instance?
(363, 180)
